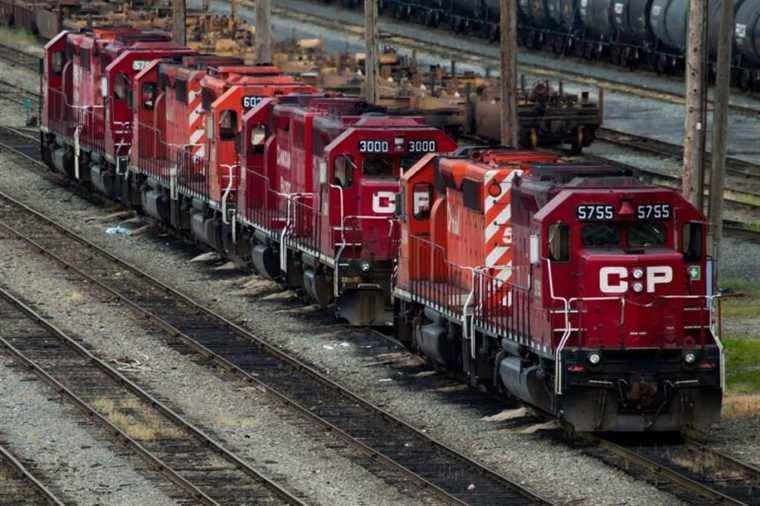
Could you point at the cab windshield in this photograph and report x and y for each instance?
(621, 235)
(387, 166)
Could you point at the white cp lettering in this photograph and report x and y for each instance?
(658, 275)
(607, 286)
(384, 202)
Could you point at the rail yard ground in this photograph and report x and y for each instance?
(249, 420)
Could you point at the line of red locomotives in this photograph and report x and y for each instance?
(573, 288)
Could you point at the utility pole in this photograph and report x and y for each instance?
(371, 69)
(694, 122)
(179, 31)
(510, 126)
(720, 127)
(233, 9)
(264, 31)
(204, 6)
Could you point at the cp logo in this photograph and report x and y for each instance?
(384, 202)
(614, 279)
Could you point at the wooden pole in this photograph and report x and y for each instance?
(204, 6)
(264, 31)
(720, 127)
(371, 69)
(509, 121)
(179, 31)
(233, 9)
(694, 122)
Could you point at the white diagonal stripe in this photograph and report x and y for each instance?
(502, 219)
(495, 255)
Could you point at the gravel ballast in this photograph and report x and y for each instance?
(369, 363)
(260, 430)
(74, 456)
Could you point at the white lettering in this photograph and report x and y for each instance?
(658, 275)
(604, 279)
(384, 202)
(283, 158)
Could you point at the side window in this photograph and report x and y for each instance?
(691, 245)
(120, 86)
(559, 242)
(57, 63)
(258, 138)
(344, 171)
(148, 96)
(227, 125)
(421, 197)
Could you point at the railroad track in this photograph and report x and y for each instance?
(734, 166)
(207, 472)
(18, 58)
(476, 54)
(13, 93)
(691, 471)
(19, 485)
(418, 458)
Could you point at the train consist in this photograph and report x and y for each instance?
(571, 287)
(650, 33)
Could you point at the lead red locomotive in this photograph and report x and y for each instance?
(573, 288)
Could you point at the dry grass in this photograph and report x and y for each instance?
(20, 39)
(737, 405)
(75, 297)
(136, 419)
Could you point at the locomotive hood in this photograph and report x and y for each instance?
(633, 300)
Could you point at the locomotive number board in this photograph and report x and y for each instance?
(412, 146)
(595, 212)
(251, 102)
(654, 212)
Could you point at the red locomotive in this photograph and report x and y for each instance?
(573, 288)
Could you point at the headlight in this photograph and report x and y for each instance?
(690, 357)
(638, 273)
(365, 267)
(638, 287)
(594, 358)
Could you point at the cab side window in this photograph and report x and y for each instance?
(344, 171)
(57, 63)
(559, 242)
(148, 96)
(691, 244)
(227, 125)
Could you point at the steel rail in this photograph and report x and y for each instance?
(122, 381)
(15, 56)
(734, 165)
(483, 59)
(44, 492)
(673, 476)
(522, 494)
(659, 462)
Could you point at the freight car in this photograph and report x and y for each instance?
(572, 288)
(631, 33)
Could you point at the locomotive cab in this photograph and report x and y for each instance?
(625, 271)
(359, 178)
(572, 288)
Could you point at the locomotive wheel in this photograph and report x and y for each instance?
(744, 80)
(576, 146)
(615, 56)
(558, 45)
(661, 66)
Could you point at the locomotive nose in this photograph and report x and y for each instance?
(634, 300)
